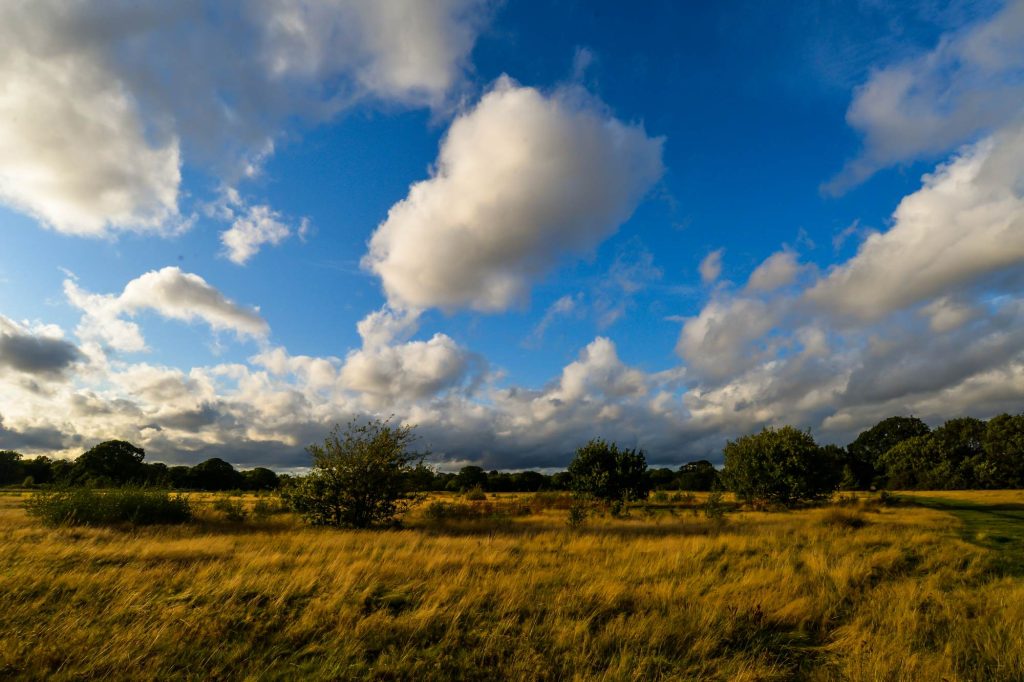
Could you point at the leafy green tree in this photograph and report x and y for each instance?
(699, 475)
(529, 481)
(113, 462)
(470, 477)
(216, 474)
(359, 477)
(960, 442)
(779, 466)
(601, 470)
(260, 478)
(864, 453)
(661, 478)
(180, 477)
(40, 469)
(1003, 443)
(11, 468)
(913, 463)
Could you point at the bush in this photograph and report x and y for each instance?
(603, 471)
(577, 515)
(359, 478)
(476, 495)
(714, 506)
(87, 507)
(783, 466)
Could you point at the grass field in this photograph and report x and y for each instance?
(854, 592)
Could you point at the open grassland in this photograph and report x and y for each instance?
(853, 592)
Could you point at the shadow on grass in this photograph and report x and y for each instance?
(998, 527)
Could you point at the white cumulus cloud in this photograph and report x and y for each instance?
(971, 82)
(170, 293)
(521, 179)
(103, 102)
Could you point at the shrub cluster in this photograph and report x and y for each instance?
(88, 507)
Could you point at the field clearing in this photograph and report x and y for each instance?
(849, 592)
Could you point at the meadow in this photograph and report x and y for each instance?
(853, 590)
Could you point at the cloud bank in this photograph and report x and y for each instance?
(104, 102)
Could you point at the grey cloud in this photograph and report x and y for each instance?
(36, 354)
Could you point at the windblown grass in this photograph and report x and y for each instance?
(666, 593)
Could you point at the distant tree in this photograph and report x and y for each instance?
(661, 478)
(422, 478)
(12, 469)
(699, 475)
(113, 462)
(216, 474)
(1003, 443)
(960, 442)
(156, 475)
(260, 478)
(471, 477)
(39, 468)
(180, 477)
(359, 477)
(529, 481)
(912, 463)
(63, 471)
(600, 469)
(780, 466)
(864, 453)
(561, 480)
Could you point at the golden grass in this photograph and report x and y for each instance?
(664, 594)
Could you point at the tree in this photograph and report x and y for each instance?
(470, 477)
(39, 468)
(660, 479)
(180, 476)
(1003, 443)
(601, 470)
(113, 462)
(216, 474)
(11, 468)
(864, 453)
(780, 466)
(912, 463)
(359, 477)
(960, 442)
(699, 475)
(260, 478)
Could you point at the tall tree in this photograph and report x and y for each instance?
(864, 453)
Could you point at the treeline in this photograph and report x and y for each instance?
(902, 453)
(699, 475)
(117, 463)
(898, 453)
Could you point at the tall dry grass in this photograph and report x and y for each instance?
(665, 594)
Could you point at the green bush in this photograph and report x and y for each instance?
(779, 467)
(359, 477)
(88, 507)
(603, 471)
(476, 495)
(578, 513)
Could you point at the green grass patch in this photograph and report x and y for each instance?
(998, 527)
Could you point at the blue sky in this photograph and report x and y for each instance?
(227, 226)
